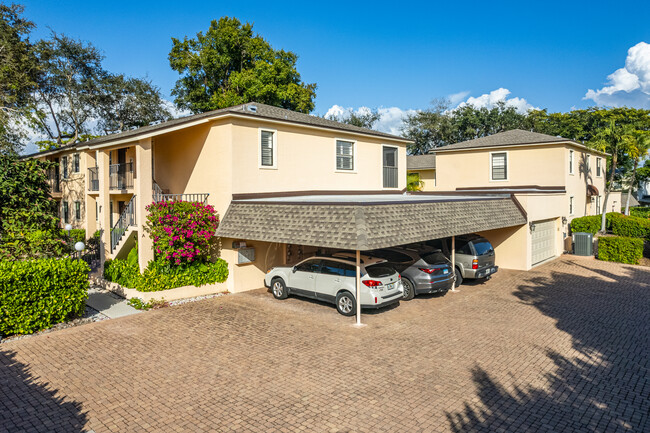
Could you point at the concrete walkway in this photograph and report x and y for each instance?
(108, 303)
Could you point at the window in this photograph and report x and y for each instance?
(588, 164)
(308, 266)
(268, 153)
(64, 210)
(96, 211)
(75, 163)
(570, 161)
(390, 166)
(330, 267)
(499, 163)
(464, 248)
(77, 210)
(599, 162)
(64, 165)
(571, 205)
(598, 205)
(344, 155)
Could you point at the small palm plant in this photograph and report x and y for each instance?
(413, 182)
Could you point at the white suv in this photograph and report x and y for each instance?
(333, 279)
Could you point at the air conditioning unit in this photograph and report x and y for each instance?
(584, 244)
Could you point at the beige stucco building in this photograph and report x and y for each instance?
(554, 180)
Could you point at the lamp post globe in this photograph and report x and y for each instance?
(79, 246)
(68, 227)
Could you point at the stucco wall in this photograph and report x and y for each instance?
(428, 177)
(584, 173)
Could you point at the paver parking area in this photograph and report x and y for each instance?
(563, 347)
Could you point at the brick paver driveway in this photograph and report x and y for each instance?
(561, 348)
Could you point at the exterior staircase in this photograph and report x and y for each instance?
(123, 228)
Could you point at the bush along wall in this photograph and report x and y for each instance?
(640, 212)
(630, 226)
(184, 244)
(620, 249)
(37, 294)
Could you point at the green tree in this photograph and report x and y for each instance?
(29, 218)
(18, 75)
(639, 144)
(365, 118)
(230, 65)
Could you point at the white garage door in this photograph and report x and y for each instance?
(543, 241)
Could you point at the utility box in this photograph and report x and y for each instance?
(584, 244)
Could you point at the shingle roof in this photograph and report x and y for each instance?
(262, 111)
(507, 138)
(366, 226)
(420, 162)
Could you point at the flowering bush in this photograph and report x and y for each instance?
(182, 231)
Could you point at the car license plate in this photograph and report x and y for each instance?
(390, 286)
(445, 271)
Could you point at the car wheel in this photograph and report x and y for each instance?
(279, 289)
(345, 304)
(459, 278)
(409, 289)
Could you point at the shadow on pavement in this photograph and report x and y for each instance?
(26, 405)
(605, 387)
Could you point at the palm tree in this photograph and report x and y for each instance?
(413, 182)
(638, 144)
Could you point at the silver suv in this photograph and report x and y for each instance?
(474, 255)
(333, 279)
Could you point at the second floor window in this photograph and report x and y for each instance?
(64, 211)
(570, 205)
(64, 166)
(77, 210)
(570, 161)
(344, 155)
(499, 166)
(599, 168)
(267, 149)
(75, 163)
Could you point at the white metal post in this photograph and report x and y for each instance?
(358, 295)
(453, 262)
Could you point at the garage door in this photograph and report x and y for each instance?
(543, 241)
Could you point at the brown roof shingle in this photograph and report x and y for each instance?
(366, 226)
(507, 138)
(421, 162)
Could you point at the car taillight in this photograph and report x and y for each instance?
(475, 264)
(429, 270)
(371, 283)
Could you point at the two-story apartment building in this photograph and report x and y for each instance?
(285, 185)
(554, 179)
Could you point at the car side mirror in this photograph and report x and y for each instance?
(294, 269)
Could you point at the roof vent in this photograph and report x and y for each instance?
(252, 108)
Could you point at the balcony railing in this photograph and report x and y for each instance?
(159, 195)
(55, 183)
(390, 177)
(93, 179)
(126, 220)
(121, 175)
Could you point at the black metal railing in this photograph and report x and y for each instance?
(93, 179)
(159, 195)
(390, 177)
(126, 220)
(121, 175)
(55, 183)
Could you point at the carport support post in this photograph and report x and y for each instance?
(453, 262)
(358, 295)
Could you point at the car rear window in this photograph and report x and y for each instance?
(435, 258)
(482, 247)
(379, 271)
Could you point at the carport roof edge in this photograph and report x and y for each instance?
(379, 222)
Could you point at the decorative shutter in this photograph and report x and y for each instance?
(344, 155)
(267, 148)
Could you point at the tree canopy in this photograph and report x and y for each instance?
(364, 118)
(230, 65)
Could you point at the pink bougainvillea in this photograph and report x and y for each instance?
(181, 230)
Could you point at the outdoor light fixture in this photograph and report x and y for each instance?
(68, 227)
(79, 246)
(564, 221)
(532, 226)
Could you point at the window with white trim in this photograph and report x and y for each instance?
(588, 164)
(267, 149)
(499, 166)
(77, 210)
(75, 163)
(599, 167)
(570, 161)
(598, 205)
(571, 205)
(64, 165)
(344, 155)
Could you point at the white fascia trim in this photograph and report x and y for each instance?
(508, 146)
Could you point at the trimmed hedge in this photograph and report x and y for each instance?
(591, 223)
(620, 249)
(77, 235)
(630, 226)
(36, 294)
(640, 212)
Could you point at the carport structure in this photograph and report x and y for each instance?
(365, 221)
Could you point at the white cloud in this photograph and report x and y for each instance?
(455, 98)
(629, 85)
(390, 121)
(489, 100)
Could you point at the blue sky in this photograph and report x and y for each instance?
(547, 55)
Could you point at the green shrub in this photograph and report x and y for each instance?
(620, 249)
(159, 275)
(640, 212)
(37, 294)
(139, 304)
(76, 235)
(592, 223)
(630, 226)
